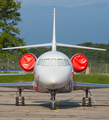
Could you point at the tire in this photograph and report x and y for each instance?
(89, 103)
(23, 101)
(17, 101)
(84, 102)
(52, 108)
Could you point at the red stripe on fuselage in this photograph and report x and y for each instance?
(73, 76)
(71, 86)
(37, 87)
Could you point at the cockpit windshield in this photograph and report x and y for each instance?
(40, 62)
(53, 62)
(66, 62)
(46, 62)
(61, 62)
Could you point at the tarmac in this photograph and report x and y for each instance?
(69, 106)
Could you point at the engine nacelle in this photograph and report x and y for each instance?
(27, 62)
(79, 62)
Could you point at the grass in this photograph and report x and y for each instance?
(17, 78)
(101, 79)
(94, 78)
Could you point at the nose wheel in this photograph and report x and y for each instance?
(20, 99)
(53, 104)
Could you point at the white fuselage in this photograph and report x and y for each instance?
(53, 70)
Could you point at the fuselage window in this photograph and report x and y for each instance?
(46, 62)
(60, 62)
(53, 62)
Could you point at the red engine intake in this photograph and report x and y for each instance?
(27, 62)
(79, 62)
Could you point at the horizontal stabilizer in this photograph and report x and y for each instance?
(75, 46)
(50, 44)
(29, 46)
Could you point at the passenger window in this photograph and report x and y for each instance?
(53, 62)
(46, 62)
(60, 62)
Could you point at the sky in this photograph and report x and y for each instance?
(64, 3)
(77, 21)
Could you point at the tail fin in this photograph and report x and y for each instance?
(54, 33)
(53, 44)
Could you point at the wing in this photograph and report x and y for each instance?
(82, 86)
(24, 85)
(13, 74)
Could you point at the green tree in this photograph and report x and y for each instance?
(9, 18)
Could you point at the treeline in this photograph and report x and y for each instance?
(92, 55)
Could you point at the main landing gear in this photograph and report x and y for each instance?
(20, 99)
(53, 104)
(86, 101)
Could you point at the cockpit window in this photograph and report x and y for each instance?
(60, 62)
(40, 62)
(46, 62)
(66, 62)
(53, 62)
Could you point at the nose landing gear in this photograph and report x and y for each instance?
(53, 104)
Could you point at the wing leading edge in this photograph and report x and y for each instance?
(13, 74)
(24, 85)
(82, 86)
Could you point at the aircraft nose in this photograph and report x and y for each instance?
(55, 80)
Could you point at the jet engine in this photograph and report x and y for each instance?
(79, 63)
(27, 62)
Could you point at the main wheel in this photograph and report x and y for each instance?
(23, 101)
(17, 101)
(89, 103)
(83, 101)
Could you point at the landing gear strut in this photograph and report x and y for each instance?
(86, 100)
(53, 104)
(20, 99)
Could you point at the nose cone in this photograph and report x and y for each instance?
(53, 81)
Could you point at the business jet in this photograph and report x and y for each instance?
(53, 72)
